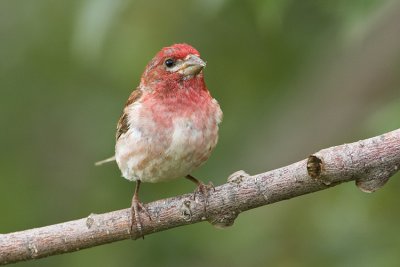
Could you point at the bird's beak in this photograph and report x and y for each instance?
(192, 65)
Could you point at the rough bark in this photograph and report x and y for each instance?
(368, 162)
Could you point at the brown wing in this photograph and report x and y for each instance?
(123, 126)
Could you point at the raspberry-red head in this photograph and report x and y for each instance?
(178, 51)
(173, 64)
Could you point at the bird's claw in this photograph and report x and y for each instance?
(135, 217)
(204, 190)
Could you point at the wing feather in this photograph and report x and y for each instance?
(123, 124)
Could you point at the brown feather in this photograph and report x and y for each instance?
(123, 125)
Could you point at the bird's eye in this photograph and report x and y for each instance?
(169, 63)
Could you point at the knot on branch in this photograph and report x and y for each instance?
(186, 211)
(89, 220)
(223, 220)
(34, 252)
(316, 168)
(237, 177)
(374, 179)
(226, 217)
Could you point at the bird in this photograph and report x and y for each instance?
(169, 125)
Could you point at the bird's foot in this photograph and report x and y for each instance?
(136, 207)
(204, 189)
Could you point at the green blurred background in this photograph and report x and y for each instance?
(292, 77)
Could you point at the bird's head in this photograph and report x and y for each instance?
(174, 65)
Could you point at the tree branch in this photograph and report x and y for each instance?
(369, 162)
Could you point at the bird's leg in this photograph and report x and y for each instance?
(135, 207)
(202, 188)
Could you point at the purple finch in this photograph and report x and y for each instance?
(169, 125)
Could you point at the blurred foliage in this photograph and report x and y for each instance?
(284, 74)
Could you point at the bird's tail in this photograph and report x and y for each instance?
(105, 161)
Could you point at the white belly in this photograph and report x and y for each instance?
(171, 153)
